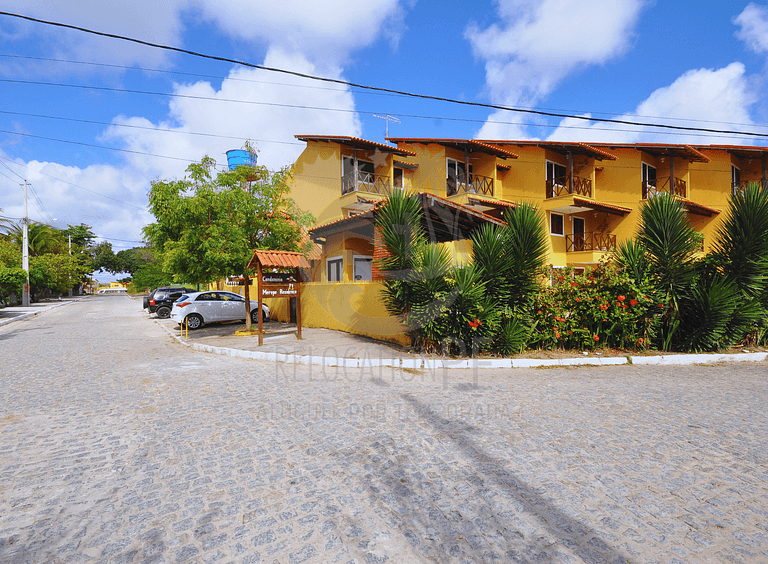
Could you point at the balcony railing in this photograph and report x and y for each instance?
(365, 182)
(477, 185)
(559, 187)
(589, 242)
(652, 188)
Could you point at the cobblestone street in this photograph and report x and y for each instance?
(119, 445)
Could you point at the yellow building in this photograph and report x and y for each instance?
(590, 194)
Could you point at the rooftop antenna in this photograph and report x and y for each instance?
(388, 118)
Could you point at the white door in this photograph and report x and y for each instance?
(363, 268)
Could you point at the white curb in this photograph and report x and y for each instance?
(436, 363)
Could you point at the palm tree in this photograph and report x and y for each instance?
(41, 238)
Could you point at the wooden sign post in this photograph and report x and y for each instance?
(285, 283)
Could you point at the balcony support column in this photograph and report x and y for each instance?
(466, 169)
(354, 165)
(671, 174)
(570, 171)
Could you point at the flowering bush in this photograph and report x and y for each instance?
(604, 307)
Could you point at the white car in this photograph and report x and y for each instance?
(198, 308)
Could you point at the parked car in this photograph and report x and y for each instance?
(160, 300)
(199, 308)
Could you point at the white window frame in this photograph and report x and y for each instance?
(644, 177)
(367, 258)
(735, 171)
(553, 176)
(551, 232)
(332, 261)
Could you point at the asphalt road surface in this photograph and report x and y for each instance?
(119, 445)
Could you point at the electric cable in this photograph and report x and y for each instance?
(373, 88)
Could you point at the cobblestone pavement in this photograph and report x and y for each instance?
(118, 445)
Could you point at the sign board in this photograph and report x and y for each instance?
(279, 290)
(280, 278)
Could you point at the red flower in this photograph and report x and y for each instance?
(574, 284)
(640, 341)
(557, 335)
(596, 338)
(578, 300)
(603, 306)
(622, 298)
(633, 302)
(475, 324)
(570, 332)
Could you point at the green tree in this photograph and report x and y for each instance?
(208, 226)
(80, 235)
(41, 238)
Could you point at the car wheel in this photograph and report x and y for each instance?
(163, 312)
(194, 321)
(145, 303)
(255, 316)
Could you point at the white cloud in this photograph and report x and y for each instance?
(707, 98)
(753, 23)
(276, 116)
(540, 42)
(322, 31)
(157, 22)
(108, 198)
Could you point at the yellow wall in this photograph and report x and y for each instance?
(352, 307)
(316, 183)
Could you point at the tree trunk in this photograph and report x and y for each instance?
(247, 292)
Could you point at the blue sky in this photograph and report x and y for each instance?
(683, 62)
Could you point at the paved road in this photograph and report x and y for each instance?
(118, 445)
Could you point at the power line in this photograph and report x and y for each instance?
(78, 186)
(96, 146)
(375, 88)
(94, 122)
(697, 131)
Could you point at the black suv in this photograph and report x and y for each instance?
(160, 300)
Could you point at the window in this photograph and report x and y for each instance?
(335, 271)
(398, 183)
(348, 165)
(649, 176)
(456, 175)
(556, 174)
(556, 226)
(362, 268)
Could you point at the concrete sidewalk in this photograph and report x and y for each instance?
(17, 313)
(324, 347)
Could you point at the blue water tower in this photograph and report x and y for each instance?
(240, 157)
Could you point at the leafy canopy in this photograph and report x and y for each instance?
(208, 226)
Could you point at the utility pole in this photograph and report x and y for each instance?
(25, 251)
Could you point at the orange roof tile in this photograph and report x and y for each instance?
(486, 147)
(357, 143)
(278, 259)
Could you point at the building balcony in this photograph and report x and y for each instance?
(652, 188)
(579, 242)
(359, 181)
(477, 185)
(560, 187)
